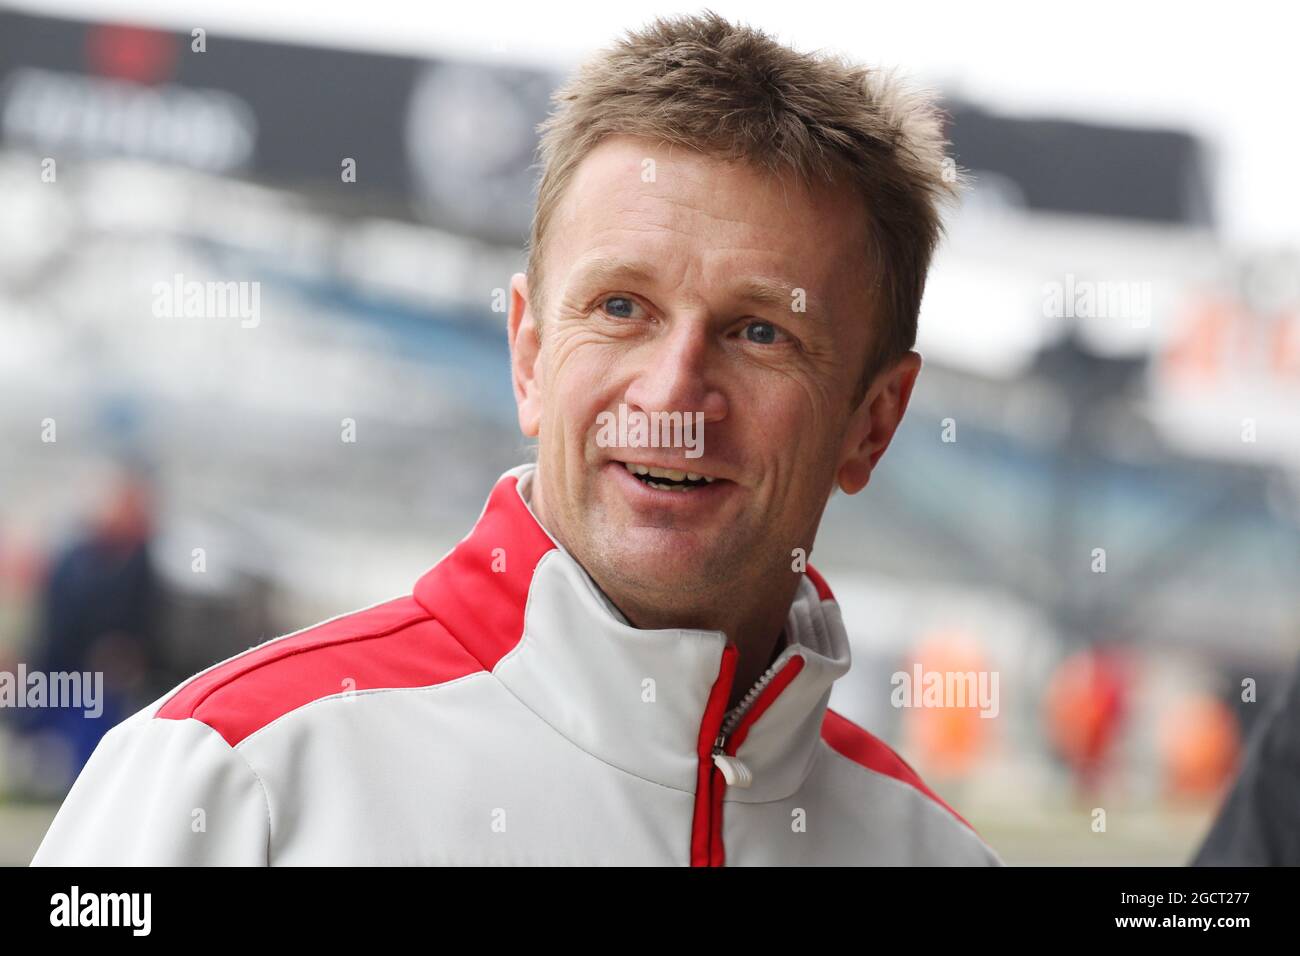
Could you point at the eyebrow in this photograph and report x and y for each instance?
(763, 290)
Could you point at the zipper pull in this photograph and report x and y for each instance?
(733, 769)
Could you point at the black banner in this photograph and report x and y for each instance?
(444, 141)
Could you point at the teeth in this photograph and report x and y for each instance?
(669, 473)
(655, 484)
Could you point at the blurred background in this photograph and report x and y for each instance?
(1095, 493)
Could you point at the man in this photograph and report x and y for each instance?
(627, 660)
(99, 606)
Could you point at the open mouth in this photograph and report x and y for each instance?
(667, 479)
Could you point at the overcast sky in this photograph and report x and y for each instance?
(1228, 72)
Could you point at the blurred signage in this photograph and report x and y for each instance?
(1227, 380)
(447, 142)
(1066, 166)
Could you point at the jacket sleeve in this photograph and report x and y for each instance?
(161, 792)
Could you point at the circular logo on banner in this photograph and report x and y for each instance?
(471, 139)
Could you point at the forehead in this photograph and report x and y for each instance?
(672, 203)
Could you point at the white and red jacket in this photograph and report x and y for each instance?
(506, 713)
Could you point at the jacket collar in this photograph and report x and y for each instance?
(649, 702)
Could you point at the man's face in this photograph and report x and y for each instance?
(652, 261)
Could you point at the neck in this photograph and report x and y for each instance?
(756, 627)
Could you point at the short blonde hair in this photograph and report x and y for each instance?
(735, 93)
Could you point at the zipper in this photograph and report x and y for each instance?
(734, 771)
(727, 769)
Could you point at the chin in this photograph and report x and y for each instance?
(659, 559)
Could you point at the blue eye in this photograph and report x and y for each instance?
(617, 313)
(766, 333)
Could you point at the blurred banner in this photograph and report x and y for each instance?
(445, 141)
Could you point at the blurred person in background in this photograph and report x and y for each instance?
(98, 609)
(1084, 708)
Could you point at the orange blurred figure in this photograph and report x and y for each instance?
(948, 739)
(1199, 744)
(1085, 705)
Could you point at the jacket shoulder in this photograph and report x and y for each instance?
(864, 748)
(394, 644)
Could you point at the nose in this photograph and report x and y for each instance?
(677, 374)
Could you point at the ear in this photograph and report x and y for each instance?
(873, 423)
(525, 353)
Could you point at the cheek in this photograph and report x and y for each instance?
(791, 429)
(789, 415)
(579, 389)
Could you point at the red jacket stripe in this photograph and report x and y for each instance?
(480, 591)
(847, 738)
(823, 589)
(391, 645)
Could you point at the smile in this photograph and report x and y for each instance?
(667, 479)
